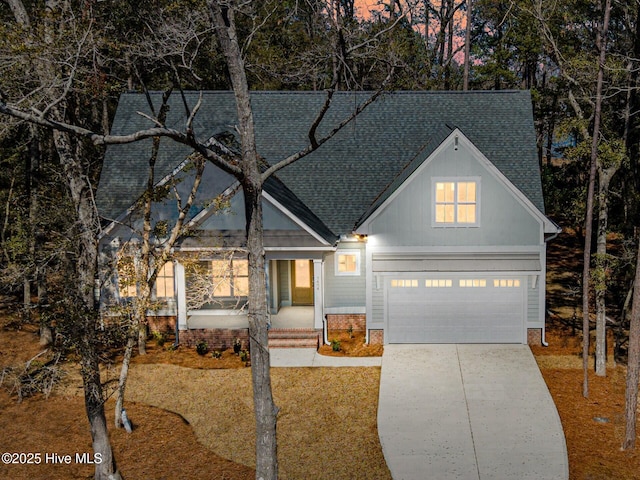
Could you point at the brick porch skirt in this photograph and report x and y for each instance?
(344, 321)
(219, 338)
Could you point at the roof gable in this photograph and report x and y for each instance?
(420, 163)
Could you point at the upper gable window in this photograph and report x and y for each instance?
(348, 262)
(456, 202)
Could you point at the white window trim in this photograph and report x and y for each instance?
(347, 252)
(455, 180)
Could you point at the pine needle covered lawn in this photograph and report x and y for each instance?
(198, 422)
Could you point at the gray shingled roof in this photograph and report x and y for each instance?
(344, 177)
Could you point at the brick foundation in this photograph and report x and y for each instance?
(534, 336)
(344, 321)
(218, 339)
(162, 324)
(376, 337)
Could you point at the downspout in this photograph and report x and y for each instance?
(325, 330)
(176, 342)
(543, 339)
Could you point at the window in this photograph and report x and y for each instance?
(348, 262)
(164, 281)
(473, 282)
(127, 277)
(404, 283)
(230, 277)
(456, 202)
(438, 283)
(506, 283)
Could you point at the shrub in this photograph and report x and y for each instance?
(160, 338)
(202, 348)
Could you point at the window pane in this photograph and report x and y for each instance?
(445, 213)
(466, 214)
(221, 287)
(220, 277)
(449, 214)
(241, 286)
(241, 268)
(303, 273)
(467, 192)
(127, 277)
(449, 189)
(445, 192)
(506, 283)
(164, 282)
(404, 283)
(346, 263)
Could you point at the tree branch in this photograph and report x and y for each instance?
(215, 155)
(316, 143)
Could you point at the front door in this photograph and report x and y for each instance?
(302, 282)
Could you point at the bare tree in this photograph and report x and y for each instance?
(601, 44)
(245, 167)
(633, 364)
(594, 135)
(72, 155)
(153, 255)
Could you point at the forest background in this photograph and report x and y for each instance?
(69, 60)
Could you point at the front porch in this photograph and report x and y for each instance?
(290, 327)
(287, 318)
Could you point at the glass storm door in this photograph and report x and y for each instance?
(302, 282)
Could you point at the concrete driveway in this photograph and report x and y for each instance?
(471, 412)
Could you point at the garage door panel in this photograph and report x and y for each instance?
(484, 313)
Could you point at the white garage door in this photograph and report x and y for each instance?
(455, 308)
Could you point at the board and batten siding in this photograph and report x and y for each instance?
(407, 219)
(376, 319)
(284, 296)
(344, 290)
(533, 301)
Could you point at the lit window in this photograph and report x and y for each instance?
(456, 203)
(127, 277)
(506, 283)
(348, 262)
(438, 283)
(164, 281)
(473, 282)
(230, 277)
(404, 283)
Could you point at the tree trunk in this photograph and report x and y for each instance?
(122, 381)
(601, 266)
(633, 365)
(85, 304)
(467, 46)
(602, 43)
(46, 333)
(264, 407)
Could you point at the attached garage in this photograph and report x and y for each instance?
(455, 308)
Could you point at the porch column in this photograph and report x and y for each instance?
(318, 293)
(181, 295)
